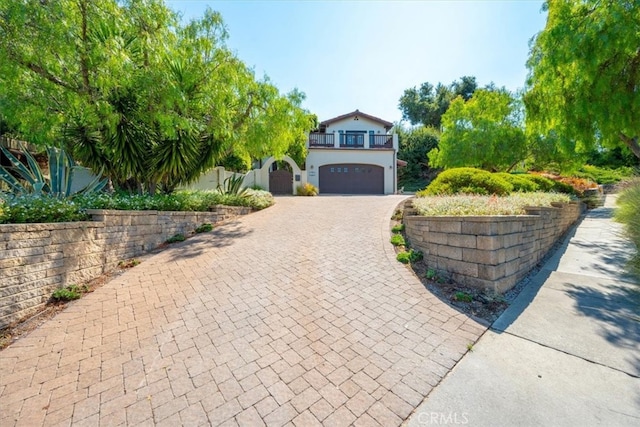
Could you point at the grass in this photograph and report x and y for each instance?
(461, 205)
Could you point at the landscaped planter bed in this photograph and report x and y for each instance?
(36, 259)
(489, 252)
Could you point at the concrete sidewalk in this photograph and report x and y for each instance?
(567, 351)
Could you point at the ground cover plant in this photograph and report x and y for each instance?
(459, 205)
(34, 209)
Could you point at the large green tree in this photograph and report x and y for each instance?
(584, 80)
(130, 89)
(485, 132)
(414, 145)
(426, 104)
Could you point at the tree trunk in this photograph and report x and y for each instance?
(632, 143)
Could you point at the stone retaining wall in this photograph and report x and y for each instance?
(37, 259)
(490, 252)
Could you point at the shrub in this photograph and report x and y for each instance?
(563, 187)
(568, 185)
(603, 175)
(579, 185)
(542, 183)
(397, 215)
(31, 208)
(403, 257)
(397, 240)
(627, 213)
(258, 199)
(69, 293)
(519, 182)
(409, 257)
(462, 296)
(204, 228)
(176, 238)
(398, 228)
(466, 181)
(307, 189)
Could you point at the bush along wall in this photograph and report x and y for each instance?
(37, 259)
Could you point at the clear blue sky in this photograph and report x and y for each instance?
(363, 54)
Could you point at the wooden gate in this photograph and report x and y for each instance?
(281, 182)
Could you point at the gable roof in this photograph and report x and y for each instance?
(387, 125)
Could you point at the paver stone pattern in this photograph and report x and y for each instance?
(294, 315)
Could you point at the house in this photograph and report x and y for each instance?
(353, 154)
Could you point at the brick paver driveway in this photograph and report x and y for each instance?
(296, 314)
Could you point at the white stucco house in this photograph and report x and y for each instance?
(353, 154)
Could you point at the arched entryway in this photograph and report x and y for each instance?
(281, 181)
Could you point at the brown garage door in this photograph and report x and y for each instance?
(351, 179)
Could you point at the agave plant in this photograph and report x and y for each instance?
(29, 179)
(233, 186)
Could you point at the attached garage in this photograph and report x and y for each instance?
(351, 178)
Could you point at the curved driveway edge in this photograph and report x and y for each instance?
(298, 314)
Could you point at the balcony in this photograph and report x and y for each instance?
(381, 141)
(317, 139)
(360, 140)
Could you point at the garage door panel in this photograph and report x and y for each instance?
(351, 178)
